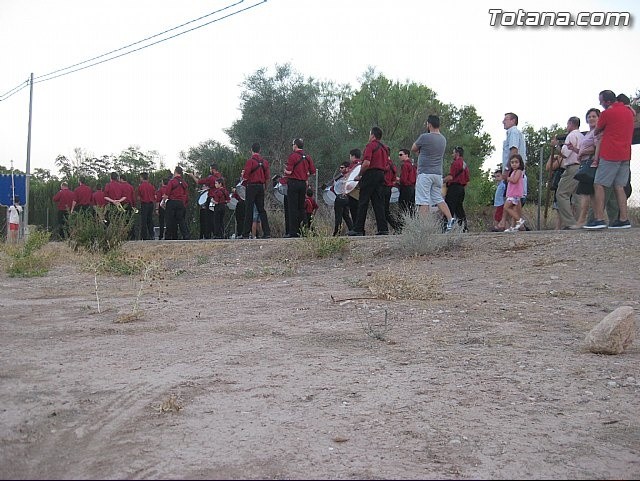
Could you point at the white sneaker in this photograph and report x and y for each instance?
(450, 224)
(510, 229)
(520, 223)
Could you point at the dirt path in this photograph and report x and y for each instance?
(274, 379)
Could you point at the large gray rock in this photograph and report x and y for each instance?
(614, 333)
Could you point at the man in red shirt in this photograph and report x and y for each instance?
(64, 201)
(113, 191)
(256, 172)
(147, 196)
(176, 194)
(299, 166)
(407, 182)
(390, 179)
(97, 199)
(616, 125)
(83, 196)
(456, 181)
(374, 161)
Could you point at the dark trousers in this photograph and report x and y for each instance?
(296, 192)
(175, 217)
(146, 221)
(206, 222)
(63, 221)
(455, 200)
(286, 214)
(218, 220)
(255, 196)
(407, 200)
(353, 208)
(371, 186)
(161, 215)
(391, 219)
(341, 212)
(239, 214)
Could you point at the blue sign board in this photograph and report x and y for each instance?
(7, 186)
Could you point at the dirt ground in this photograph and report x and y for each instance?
(246, 360)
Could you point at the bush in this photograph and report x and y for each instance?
(424, 235)
(99, 230)
(25, 262)
(320, 244)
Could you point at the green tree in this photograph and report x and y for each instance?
(276, 109)
(133, 161)
(199, 158)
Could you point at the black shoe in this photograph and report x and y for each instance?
(355, 233)
(291, 236)
(266, 237)
(383, 232)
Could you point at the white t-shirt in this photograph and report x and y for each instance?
(14, 214)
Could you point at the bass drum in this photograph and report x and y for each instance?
(395, 195)
(352, 187)
(202, 198)
(232, 204)
(329, 196)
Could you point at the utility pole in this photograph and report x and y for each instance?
(28, 170)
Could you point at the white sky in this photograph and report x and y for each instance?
(179, 93)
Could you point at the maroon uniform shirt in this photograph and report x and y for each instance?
(390, 174)
(114, 190)
(377, 154)
(177, 189)
(408, 173)
(300, 167)
(254, 172)
(64, 199)
(146, 192)
(83, 195)
(98, 198)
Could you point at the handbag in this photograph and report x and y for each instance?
(586, 173)
(555, 178)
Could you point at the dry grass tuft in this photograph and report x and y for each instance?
(170, 405)
(130, 317)
(389, 285)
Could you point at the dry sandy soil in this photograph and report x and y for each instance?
(247, 360)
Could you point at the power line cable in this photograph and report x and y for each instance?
(138, 42)
(14, 90)
(151, 44)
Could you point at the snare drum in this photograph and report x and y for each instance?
(395, 195)
(351, 185)
(329, 196)
(241, 190)
(279, 191)
(203, 196)
(232, 204)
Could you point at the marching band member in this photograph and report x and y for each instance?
(256, 172)
(177, 197)
(341, 203)
(299, 166)
(219, 198)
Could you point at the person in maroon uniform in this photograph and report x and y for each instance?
(220, 198)
(355, 157)
(147, 196)
(256, 173)
(310, 208)
(160, 207)
(113, 191)
(371, 179)
(64, 201)
(97, 199)
(407, 182)
(456, 181)
(299, 167)
(207, 215)
(177, 197)
(83, 196)
(390, 180)
(129, 203)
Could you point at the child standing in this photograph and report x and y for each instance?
(220, 198)
(498, 202)
(515, 191)
(310, 208)
(14, 220)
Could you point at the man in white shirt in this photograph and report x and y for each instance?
(566, 193)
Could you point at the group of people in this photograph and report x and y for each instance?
(420, 184)
(594, 167)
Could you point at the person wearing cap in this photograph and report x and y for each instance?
(299, 167)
